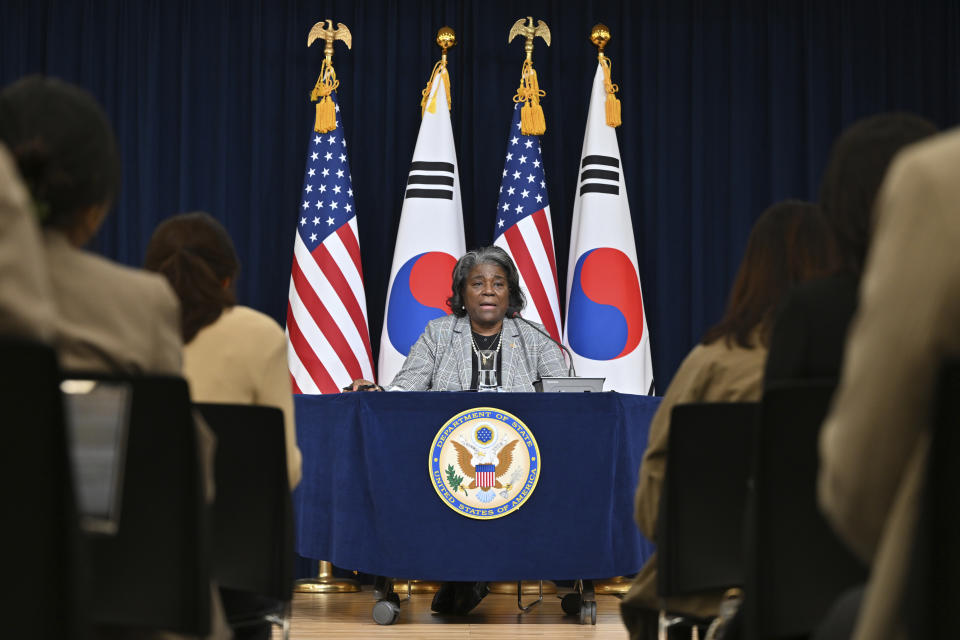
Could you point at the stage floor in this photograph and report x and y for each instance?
(349, 615)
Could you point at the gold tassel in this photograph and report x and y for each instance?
(532, 122)
(613, 104)
(327, 83)
(440, 67)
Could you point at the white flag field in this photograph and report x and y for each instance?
(606, 326)
(430, 238)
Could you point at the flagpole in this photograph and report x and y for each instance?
(446, 38)
(531, 123)
(325, 581)
(600, 36)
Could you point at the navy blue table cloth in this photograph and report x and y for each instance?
(366, 501)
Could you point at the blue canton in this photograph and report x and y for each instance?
(523, 188)
(327, 196)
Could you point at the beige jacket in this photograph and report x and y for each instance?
(111, 317)
(242, 359)
(710, 373)
(873, 444)
(26, 302)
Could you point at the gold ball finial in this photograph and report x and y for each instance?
(600, 36)
(446, 38)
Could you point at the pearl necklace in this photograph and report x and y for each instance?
(482, 359)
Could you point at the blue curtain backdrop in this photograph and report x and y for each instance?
(728, 106)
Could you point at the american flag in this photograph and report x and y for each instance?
(523, 227)
(328, 344)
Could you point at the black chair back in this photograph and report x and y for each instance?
(154, 572)
(42, 558)
(252, 528)
(700, 524)
(933, 591)
(797, 567)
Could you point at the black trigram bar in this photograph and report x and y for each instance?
(429, 193)
(610, 161)
(419, 178)
(600, 174)
(600, 187)
(431, 166)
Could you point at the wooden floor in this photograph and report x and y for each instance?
(349, 616)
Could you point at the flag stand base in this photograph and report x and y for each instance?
(325, 582)
(617, 586)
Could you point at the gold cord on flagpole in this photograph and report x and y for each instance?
(532, 122)
(327, 83)
(446, 38)
(600, 36)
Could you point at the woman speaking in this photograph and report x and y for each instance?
(483, 344)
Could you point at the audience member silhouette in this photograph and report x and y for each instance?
(109, 317)
(789, 243)
(232, 354)
(873, 446)
(811, 327)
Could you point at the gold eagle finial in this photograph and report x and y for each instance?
(529, 32)
(324, 29)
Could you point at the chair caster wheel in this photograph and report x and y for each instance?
(588, 613)
(386, 612)
(570, 604)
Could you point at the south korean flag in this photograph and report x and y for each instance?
(606, 326)
(429, 239)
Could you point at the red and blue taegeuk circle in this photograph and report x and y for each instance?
(605, 320)
(419, 295)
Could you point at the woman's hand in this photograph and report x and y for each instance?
(363, 385)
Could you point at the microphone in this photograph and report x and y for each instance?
(571, 372)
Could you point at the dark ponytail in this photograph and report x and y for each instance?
(197, 257)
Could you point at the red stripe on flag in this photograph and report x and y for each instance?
(294, 387)
(334, 274)
(349, 239)
(531, 277)
(325, 322)
(309, 359)
(540, 218)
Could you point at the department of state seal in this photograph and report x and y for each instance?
(484, 463)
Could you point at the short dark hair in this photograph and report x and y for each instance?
(486, 255)
(790, 242)
(63, 145)
(858, 163)
(196, 255)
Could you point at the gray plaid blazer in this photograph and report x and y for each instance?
(441, 359)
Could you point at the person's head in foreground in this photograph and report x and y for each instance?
(66, 153)
(789, 243)
(197, 256)
(486, 289)
(858, 163)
